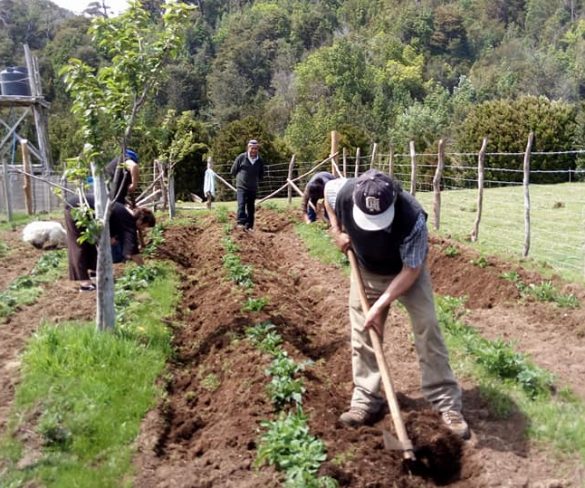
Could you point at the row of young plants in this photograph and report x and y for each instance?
(506, 378)
(26, 289)
(84, 393)
(287, 443)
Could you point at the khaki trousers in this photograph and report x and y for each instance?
(439, 385)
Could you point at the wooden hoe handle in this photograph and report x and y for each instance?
(383, 366)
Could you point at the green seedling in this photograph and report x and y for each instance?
(451, 251)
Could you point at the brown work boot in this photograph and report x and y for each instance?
(455, 421)
(356, 417)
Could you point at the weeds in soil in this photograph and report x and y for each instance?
(543, 292)
(255, 304)
(480, 262)
(3, 249)
(221, 215)
(497, 357)
(451, 251)
(509, 382)
(211, 382)
(86, 393)
(26, 289)
(157, 238)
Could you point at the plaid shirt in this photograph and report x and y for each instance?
(414, 249)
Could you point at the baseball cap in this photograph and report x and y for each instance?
(130, 154)
(252, 142)
(373, 200)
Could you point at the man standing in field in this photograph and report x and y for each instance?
(248, 169)
(386, 228)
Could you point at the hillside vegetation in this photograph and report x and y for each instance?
(289, 71)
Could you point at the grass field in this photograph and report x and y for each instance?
(557, 223)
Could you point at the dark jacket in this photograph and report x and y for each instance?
(122, 224)
(378, 251)
(247, 174)
(121, 182)
(315, 188)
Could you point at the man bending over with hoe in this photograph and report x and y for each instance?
(386, 228)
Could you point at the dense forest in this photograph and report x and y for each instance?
(290, 71)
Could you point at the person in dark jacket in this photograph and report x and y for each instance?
(314, 191)
(386, 229)
(124, 227)
(123, 184)
(248, 169)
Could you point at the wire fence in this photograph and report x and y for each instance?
(556, 213)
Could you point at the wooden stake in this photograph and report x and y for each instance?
(480, 180)
(373, 158)
(437, 184)
(290, 173)
(412, 169)
(26, 183)
(525, 184)
(391, 161)
(334, 148)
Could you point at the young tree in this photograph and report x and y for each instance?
(107, 102)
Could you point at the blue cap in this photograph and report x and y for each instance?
(130, 154)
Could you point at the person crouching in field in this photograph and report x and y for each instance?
(314, 191)
(124, 227)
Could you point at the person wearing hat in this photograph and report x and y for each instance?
(248, 169)
(386, 229)
(314, 191)
(125, 181)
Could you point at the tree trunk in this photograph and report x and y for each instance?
(105, 313)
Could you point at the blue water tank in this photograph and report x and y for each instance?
(14, 81)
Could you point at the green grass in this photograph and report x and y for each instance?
(320, 244)
(26, 289)
(84, 394)
(513, 383)
(557, 224)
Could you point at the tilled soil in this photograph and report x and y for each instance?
(205, 432)
(206, 435)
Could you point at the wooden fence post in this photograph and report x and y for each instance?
(357, 162)
(26, 183)
(391, 161)
(334, 149)
(480, 181)
(373, 158)
(7, 197)
(290, 172)
(344, 163)
(437, 184)
(525, 184)
(412, 169)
